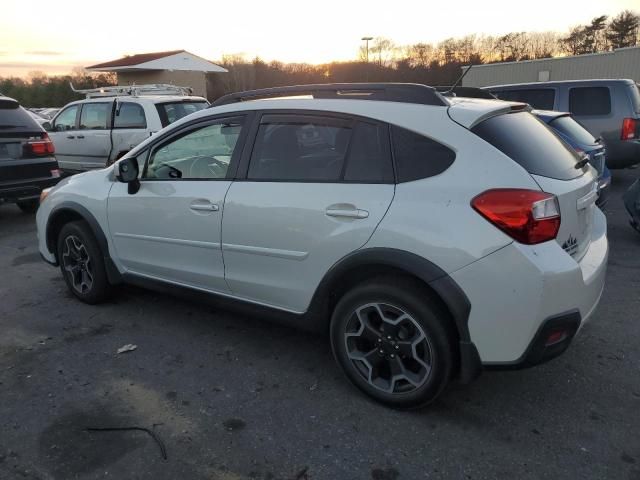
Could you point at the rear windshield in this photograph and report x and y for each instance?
(171, 111)
(530, 143)
(573, 130)
(14, 117)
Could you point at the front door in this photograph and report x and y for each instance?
(170, 228)
(64, 129)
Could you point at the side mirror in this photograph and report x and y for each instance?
(47, 126)
(126, 171)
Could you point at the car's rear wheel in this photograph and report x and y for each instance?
(394, 342)
(28, 206)
(82, 263)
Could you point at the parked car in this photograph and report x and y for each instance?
(584, 143)
(631, 199)
(609, 109)
(94, 132)
(41, 120)
(27, 161)
(429, 236)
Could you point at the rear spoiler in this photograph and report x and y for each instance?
(469, 112)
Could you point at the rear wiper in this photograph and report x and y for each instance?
(582, 163)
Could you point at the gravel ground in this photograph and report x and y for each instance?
(234, 397)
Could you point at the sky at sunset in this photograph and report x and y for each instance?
(55, 37)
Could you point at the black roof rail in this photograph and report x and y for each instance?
(390, 92)
(470, 92)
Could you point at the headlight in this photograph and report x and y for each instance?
(44, 194)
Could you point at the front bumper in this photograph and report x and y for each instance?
(515, 290)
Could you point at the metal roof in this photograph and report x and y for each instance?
(178, 60)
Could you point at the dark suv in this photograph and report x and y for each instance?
(27, 161)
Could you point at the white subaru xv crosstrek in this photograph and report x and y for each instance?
(429, 236)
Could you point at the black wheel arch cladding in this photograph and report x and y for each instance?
(78, 211)
(437, 279)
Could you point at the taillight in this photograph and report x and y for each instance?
(628, 129)
(40, 147)
(528, 216)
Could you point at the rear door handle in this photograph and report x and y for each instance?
(204, 207)
(346, 213)
(80, 136)
(71, 136)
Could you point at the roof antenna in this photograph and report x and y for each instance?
(457, 82)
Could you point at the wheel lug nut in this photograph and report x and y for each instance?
(393, 356)
(388, 337)
(397, 347)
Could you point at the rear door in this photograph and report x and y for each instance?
(129, 127)
(313, 189)
(592, 106)
(94, 137)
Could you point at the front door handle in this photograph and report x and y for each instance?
(346, 212)
(204, 207)
(80, 136)
(71, 136)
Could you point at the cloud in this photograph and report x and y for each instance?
(43, 52)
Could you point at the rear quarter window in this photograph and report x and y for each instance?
(417, 156)
(590, 101)
(531, 144)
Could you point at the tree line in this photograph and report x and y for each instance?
(433, 64)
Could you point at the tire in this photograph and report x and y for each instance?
(394, 342)
(28, 206)
(82, 263)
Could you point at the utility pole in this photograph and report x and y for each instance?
(366, 39)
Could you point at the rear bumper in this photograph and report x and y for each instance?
(515, 291)
(25, 190)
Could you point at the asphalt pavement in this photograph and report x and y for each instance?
(230, 397)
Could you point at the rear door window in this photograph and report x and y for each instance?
(95, 116)
(129, 115)
(587, 101)
(369, 159)
(301, 148)
(171, 111)
(539, 98)
(530, 143)
(417, 156)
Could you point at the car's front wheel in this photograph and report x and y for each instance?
(394, 342)
(82, 263)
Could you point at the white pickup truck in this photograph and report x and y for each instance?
(92, 133)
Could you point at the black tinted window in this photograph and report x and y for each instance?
(94, 116)
(369, 155)
(130, 115)
(590, 101)
(13, 116)
(417, 156)
(540, 98)
(307, 151)
(530, 143)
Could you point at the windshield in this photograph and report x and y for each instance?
(573, 130)
(172, 111)
(529, 142)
